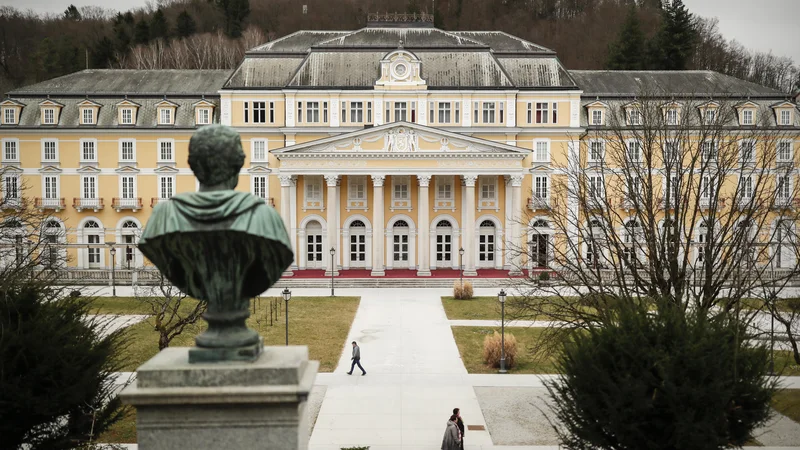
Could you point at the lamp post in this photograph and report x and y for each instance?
(772, 311)
(333, 269)
(502, 297)
(461, 265)
(287, 295)
(113, 252)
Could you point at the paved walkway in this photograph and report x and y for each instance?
(112, 323)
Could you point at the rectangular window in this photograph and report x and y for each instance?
(344, 112)
(673, 188)
(475, 112)
(672, 116)
(784, 151)
(457, 111)
(431, 117)
(747, 151)
(400, 188)
(670, 152)
(259, 150)
(10, 150)
(541, 112)
(400, 111)
(444, 189)
(555, 113)
(595, 186)
(369, 112)
(414, 112)
(89, 186)
(260, 186)
(709, 151)
(127, 187)
(444, 112)
(357, 188)
(11, 186)
(325, 112)
(388, 116)
(259, 112)
(50, 187)
(710, 116)
(747, 117)
(49, 150)
(634, 151)
(271, 112)
(165, 116)
(247, 112)
(540, 187)
(126, 116)
(502, 113)
(597, 117)
(89, 151)
(596, 151)
(165, 151)
(313, 188)
(634, 117)
(634, 184)
(541, 153)
(785, 118)
(488, 188)
(9, 116)
(203, 116)
(312, 112)
(356, 112)
(706, 187)
(746, 187)
(126, 150)
(88, 116)
(783, 187)
(530, 112)
(49, 116)
(299, 112)
(488, 112)
(166, 187)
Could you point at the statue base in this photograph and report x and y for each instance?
(255, 405)
(209, 355)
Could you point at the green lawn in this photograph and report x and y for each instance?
(122, 432)
(787, 402)
(129, 305)
(478, 308)
(321, 323)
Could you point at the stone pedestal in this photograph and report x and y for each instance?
(208, 406)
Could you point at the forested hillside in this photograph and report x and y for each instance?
(587, 34)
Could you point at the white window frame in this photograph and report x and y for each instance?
(17, 188)
(254, 156)
(84, 179)
(354, 184)
(489, 181)
(88, 112)
(444, 182)
(317, 182)
(635, 182)
(745, 187)
(602, 144)
(166, 113)
(159, 142)
(44, 148)
(203, 116)
(785, 114)
(122, 112)
(83, 143)
(744, 143)
(400, 110)
(704, 156)
(748, 117)
(15, 143)
(52, 112)
(444, 112)
(9, 113)
(260, 108)
(401, 180)
(628, 153)
(57, 186)
(162, 183)
(673, 153)
(634, 113)
(356, 109)
(122, 143)
(540, 188)
(671, 116)
(133, 187)
(542, 114)
(595, 187)
(489, 112)
(538, 146)
(312, 112)
(712, 112)
(259, 183)
(783, 185)
(790, 156)
(599, 118)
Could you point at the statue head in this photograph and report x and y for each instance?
(216, 157)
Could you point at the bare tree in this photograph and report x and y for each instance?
(171, 310)
(670, 199)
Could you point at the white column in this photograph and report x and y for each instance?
(333, 225)
(573, 155)
(470, 251)
(377, 226)
(424, 269)
(515, 216)
(286, 212)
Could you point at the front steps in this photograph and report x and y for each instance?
(404, 283)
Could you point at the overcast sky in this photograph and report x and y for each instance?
(766, 25)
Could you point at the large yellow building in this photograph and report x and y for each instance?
(394, 145)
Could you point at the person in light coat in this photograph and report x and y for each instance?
(452, 435)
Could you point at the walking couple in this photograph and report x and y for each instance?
(454, 433)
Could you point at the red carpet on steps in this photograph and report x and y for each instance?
(399, 273)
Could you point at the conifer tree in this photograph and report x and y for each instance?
(72, 13)
(159, 28)
(185, 25)
(103, 53)
(235, 12)
(672, 46)
(628, 52)
(141, 34)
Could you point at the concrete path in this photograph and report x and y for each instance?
(112, 323)
(509, 323)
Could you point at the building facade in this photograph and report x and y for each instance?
(390, 147)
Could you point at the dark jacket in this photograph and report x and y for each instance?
(356, 353)
(460, 425)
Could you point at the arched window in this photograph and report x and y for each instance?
(487, 223)
(52, 224)
(91, 224)
(129, 224)
(443, 223)
(92, 236)
(401, 223)
(444, 244)
(357, 224)
(540, 223)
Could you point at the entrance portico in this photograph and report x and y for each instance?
(391, 180)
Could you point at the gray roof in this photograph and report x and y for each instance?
(536, 72)
(146, 116)
(298, 42)
(265, 72)
(502, 42)
(98, 82)
(699, 83)
(413, 38)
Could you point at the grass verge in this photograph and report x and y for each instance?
(787, 402)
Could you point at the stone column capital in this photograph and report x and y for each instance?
(286, 180)
(378, 180)
(424, 180)
(332, 180)
(469, 180)
(516, 180)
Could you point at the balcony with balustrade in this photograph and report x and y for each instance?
(133, 204)
(81, 204)
(536, 203)
(49, 204)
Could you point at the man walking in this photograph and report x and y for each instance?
(356, 360)
(460, 425)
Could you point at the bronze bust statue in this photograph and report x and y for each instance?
(219, 245)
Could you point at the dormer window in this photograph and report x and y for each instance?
(634, 116)
(672, 116)
(203, 116)
(126, 116)
(785, 117)
(165, 116)
(597, 117)
(9, 116)
(48, 116)
(748, 116)
(710, 116)
(87, 116)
